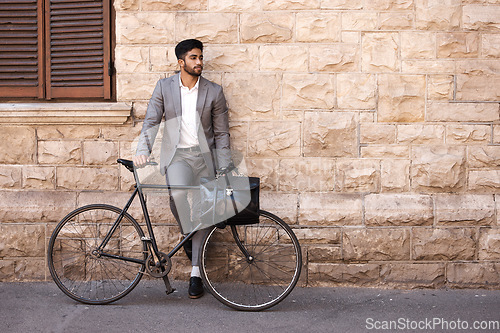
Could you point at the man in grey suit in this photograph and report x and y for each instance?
(195, 139)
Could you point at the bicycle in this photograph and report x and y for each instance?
(98, 253)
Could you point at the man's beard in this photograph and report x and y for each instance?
(192, 71)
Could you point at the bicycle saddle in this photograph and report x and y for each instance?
(127, 164)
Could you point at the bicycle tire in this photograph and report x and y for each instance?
(264, 280)
(84, 276)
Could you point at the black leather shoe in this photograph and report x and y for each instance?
(195, 287)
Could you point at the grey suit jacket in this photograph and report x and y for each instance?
(213, 127)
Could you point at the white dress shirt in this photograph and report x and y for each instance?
(189, 131)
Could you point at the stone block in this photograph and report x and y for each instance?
(330, 275)
(158, 204)
(388, 4)
(468, 134)
(401, 98)
(231, 58)
(342, 4)
(175, 5)
(87, 178)
(440, 87)
(268, 171)
(377, 133)
(22, 240)
(489, 244)
(399, 210)
(67, 132)
(380, 52)
(394, 175)
(39, 178)
(397, 20)
(428, 66)
(351, 37)
(484, 156)
(117, 199)
(289, 4)
(7, 270)
(18, 145)
(318, 27)
(481, 17)
(234, 5)
(357, 175)
(217, 28)
(59, 152)
(283, 205)
(465, 209)
(414, 275)
(137, 86)
(126, 5)
(356, 91)
(127, 132)
(478, 88)
(32, 269)
(490, 46)
(283, 58)
(484, 181)
(132, 59)
(145, 27)
(239, 137)
(35, 206)
(162, 59)
(418, 45)
(359, 21)
(477, 66)
(330, 209)
(316, 236)
(306, 175)
(457, 45)
(267, 27)
(323, 254)
(167, 237)
(392, 152)
(438, 14)
(421, 134)
(10, 176)
(462, 112)
(308, 91)
(496, 134)
(443, 244)
(100, 152)
(438, 169)
(334, 58)
(274, 138)
(474, 275)
(330, 134)
(376, 244)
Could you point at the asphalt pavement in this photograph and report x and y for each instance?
(41, 307)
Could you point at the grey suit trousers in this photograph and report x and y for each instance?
(186, 169)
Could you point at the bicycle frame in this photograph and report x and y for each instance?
(150, 239)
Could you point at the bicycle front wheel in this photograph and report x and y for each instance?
(83, 272)
(251, 267)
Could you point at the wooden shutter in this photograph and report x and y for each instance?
(21, 48)
(77, 48)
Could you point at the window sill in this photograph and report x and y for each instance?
(64, 113)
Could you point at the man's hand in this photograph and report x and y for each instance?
(140, 160)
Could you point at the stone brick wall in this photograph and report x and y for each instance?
(374, 125)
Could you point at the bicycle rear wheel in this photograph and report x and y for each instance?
(259, 279)
(86, 275)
